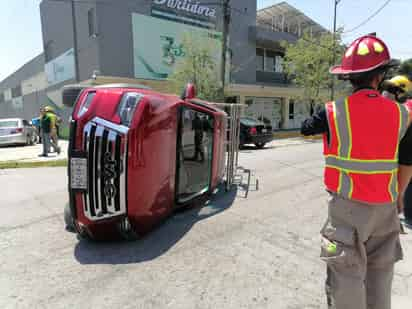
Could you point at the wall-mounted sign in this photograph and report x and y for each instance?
(61, 68)
(158, 45)
(188, 6)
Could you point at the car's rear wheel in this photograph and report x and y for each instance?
(33, 139)
(260, 145)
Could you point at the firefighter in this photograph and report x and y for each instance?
(397, 88)
(363, 135)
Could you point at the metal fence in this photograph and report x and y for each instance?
(234, 112)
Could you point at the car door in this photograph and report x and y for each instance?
(194, 154)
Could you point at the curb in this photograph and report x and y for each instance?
(294, 134)
(31, 164)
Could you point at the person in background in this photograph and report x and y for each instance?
(55, 125)
(47, 124)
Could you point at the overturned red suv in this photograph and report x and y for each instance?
(136, 155)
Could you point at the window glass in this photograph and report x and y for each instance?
(260, 53)
(195, 148)
(9, 124)
(92, 22)
(291, 109)
(270, 61)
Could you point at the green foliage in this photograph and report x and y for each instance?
(199, 67)
(406, 68)
(307, 64)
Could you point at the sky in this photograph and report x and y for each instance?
(21, 38)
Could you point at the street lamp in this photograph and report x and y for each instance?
(332, 89)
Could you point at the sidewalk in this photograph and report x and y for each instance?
(30, 153)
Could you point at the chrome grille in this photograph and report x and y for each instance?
(105, 144)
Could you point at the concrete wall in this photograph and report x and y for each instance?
(243, 49)
(57, 28)
(116, 37)
(34, 69)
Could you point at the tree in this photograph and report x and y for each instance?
(406, 68)
(307, 64)
(199, 66)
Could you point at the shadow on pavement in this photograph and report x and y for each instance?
(157, 242)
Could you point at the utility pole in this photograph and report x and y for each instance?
(226, 23)
(332, 88)
(76, 58)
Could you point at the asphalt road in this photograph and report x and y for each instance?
(259, 252)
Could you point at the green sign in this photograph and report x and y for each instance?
(157, 45)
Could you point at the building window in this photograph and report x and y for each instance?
(291, 110)
(91, 16)
(279, 64)
(2, 99)
(269, 61)
(260, 59)
(16, 92)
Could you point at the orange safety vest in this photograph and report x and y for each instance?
(361, 154)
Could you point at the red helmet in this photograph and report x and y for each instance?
(364, 54)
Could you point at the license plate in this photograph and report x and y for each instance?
(78, 173)
(264, 130)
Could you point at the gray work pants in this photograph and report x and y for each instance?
(47, 141)
(360, 245)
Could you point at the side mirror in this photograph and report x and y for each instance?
(70, 94)
(189, 92)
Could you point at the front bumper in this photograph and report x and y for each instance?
(98, 186)
(259, 139)
(12, 139)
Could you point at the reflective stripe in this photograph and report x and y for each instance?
(361, 160)
(342, 121)
(348, 128)
(346, 184)
(393, 187)
(366, 172)
(335, 120)
(363, 166)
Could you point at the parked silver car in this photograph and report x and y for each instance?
(17, 131)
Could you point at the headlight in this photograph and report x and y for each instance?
(84, 107)
(127, 107)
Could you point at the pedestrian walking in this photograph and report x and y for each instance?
(368, 166)
(47, 128)
(55, 122)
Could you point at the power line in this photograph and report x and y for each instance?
(369, 18)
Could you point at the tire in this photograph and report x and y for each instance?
(33, 139)
(68, 219)
(260, 145)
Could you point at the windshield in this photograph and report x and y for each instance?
(250, 121)
(9, 124)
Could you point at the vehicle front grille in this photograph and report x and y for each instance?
(105, 144)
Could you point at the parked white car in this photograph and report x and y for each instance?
(17, 131)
